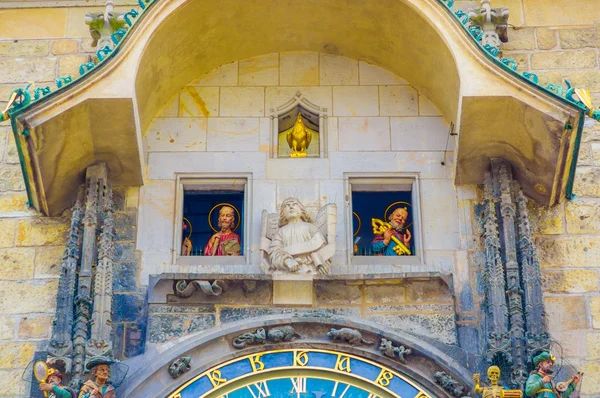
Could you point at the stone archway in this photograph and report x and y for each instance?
(217, 367)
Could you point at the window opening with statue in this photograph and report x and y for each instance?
(383, 219)
(212, 223)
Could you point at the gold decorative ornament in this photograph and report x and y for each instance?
(190, 224)
(494, 390)
(379, 227)
(355, 214)
(219, 205)
(41, 373)
(299, 137)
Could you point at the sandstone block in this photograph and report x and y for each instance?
(591, 381)
(259, 71)
(522, 59)
(7, 327)
(131, 197)
(35, 327)
(355, 101)
(242, 101)
(48, 261)
(520, 39)
(224, 75)
(24, 23)
(16, 264)
(7, 233)
(69, 65)
(364, 133)
(435, 291)
(560, 12)
(374, 75)
(398, 101)
(595, 311)
(16, 387)
(299, 69)
(338, 70)
(28, 297)
(577, 38)
(14, 205)
(578, 78)
(440, 327)
(170, 109)
(573, 251)
(16, 355)
(546, 221)
(163, 327)
(12, 155)
(595, 152)
(11, 179)
(62, 47)
(564, 60)
(586, 182)
(233, 134)
(42, 231)
(24, 48)
(337, 293)
(566, 313)
(393, 293)
(570, 281)
(199, 101)
(176, 134)
(582, 217)
(546, 38)
(593, 344)
(426, 107)
(22, 70)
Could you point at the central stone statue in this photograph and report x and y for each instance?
(292, 243)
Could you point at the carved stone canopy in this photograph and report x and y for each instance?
(497, 113)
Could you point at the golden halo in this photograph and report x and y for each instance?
(190, 224)
(224, 204)
(359, 222)
(385, 215)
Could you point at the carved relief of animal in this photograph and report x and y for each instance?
(284, 333)
(348, 335)
(387, 348)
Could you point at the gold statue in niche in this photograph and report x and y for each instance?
(299, 137)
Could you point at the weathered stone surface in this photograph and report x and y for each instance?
(546, 38)
(586, 182)
(24, 23)
(595, 152)
(262, 70)
(7, 327)
(563, 60)
(576, 251)
(378, 294)
(440, 327)
(125, 225)
(124, 252)
(35, 327)
(566, 313)
(577, 38)
(234, 294)
(14, 204)
(23, 48)
(593, 344)
(17, 264)
(230, 314)
(546, 221)
(32, 296)
(128, 307)
(429, 290)
(11, 178)
(22, 70)
(595, 311)
(16, 386)
(522, 59)
(337, 293)
(164, 327)
(591, 381)
(578, 78)
(337, 70)
(48, 261)
(12, 155)
(7, 233)
(61, 47)
(16, 355)
(69, 65)
(42, 231)
(299, 68)
(570, 281)
(181, 309)
(520, 39)
(125, 276)
(583, 217)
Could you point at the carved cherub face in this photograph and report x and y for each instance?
(493, 374)
(226, 218)
(398, 217)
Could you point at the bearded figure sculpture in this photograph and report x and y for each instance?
(291, 242)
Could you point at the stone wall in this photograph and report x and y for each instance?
(556, 40)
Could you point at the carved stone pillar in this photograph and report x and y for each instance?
(515, 312)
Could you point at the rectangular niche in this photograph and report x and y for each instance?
(379, 203)
(298, 129)
(206, 207)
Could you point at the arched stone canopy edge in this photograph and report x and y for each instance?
(212, 347)
(176, 41)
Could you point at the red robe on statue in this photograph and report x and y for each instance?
(224, 238)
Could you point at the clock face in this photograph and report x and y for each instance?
(300, 387)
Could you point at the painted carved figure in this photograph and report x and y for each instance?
(224, 242)
(53, 387)
(348, 335)
(292, 243)
(392, 238)
(98, 386)
(494, 390)
(540, 382)
(299, 137)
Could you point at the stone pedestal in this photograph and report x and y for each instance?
(293, 289)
